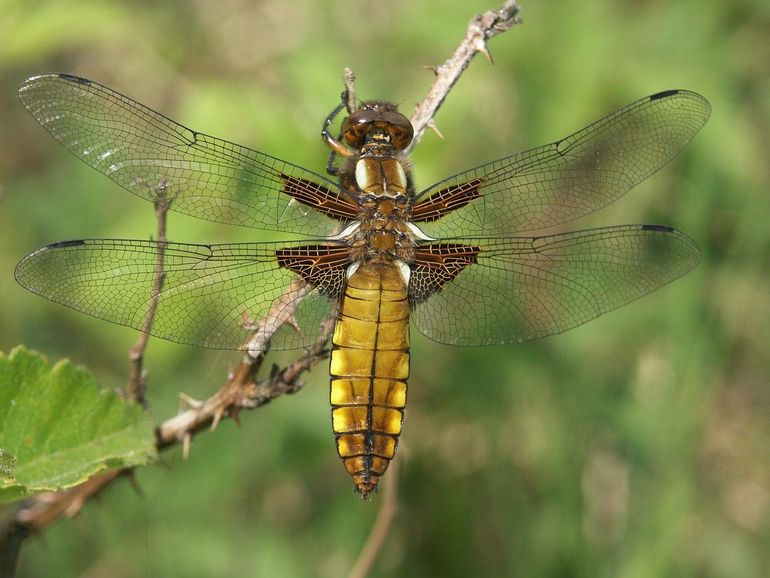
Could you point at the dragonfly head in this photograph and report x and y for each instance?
(377, 122)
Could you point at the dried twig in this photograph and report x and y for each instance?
(46, 508)
(241, 391)
(137, 378)
(349, 78)
(280, 314)
(479, 30)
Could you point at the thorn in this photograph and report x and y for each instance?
(216, 419)
(292, 320)
(192, 403)
(433, 68)
(481, 46)
(432, 125)
(73, 508)
(135, 483)
(247, 321)
(186, 445)
(294, 387)
(236, 416)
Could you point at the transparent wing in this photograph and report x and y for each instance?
(523, 288)
(213, 295)
(145, 152)
(577, 175)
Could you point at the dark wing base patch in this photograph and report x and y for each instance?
(323, 266)
(436, 265)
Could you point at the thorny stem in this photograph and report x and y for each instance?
(241, 390)
(480, 29)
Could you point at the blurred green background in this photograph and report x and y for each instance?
(635, 446)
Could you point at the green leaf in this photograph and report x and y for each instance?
(59, 427)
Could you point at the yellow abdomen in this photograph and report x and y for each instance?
(369, 370)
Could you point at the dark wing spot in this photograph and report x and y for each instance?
(664, 94)
(61, 244)
(663, 228)
(72, 78)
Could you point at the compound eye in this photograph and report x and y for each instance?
(356, 126)
(399, 128)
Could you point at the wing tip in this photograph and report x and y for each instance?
(54, 76)
(684, 240)
(691, 95)
(21, 266)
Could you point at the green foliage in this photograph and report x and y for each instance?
(59, 427)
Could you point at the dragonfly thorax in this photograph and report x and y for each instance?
(384, 209)
(384, 230)
(381, 176)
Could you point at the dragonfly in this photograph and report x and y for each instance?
(474, 259)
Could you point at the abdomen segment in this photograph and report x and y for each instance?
(369, 371)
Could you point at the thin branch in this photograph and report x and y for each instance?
(349, 78)
(280, 314)
(381, 528)
(43, 509)
(241, 391)
(480, 29)
(137, 377)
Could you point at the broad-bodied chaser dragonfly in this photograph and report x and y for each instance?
(369, 249)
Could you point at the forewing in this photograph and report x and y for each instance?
(528, 287)
(148, 154)
(215, 296)
(564, 180)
